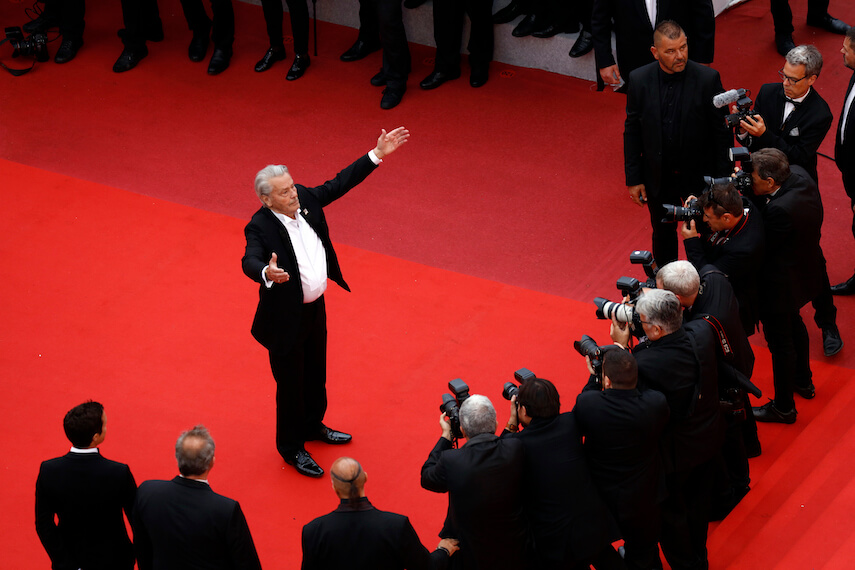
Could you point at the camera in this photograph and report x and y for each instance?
(34, 45)
(587, 346)
(523, 375)
(742, 179)
(691, 211)
(451, 404)
(624, 312)
(743, 109)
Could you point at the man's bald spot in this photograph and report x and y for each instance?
(346, 471)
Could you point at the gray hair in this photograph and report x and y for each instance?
(680, 277)
(262, 179)
(662, 308)
(808, 56)
(477, 416)
(196, 456)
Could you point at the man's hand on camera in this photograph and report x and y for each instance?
(689, 230)
(446, 427)
(619, 332)
(514, 419)
(590, 366)
(638, 194)
(754, 125)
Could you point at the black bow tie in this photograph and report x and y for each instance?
(794, 102)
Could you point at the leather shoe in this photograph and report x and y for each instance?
(198, 47)
(40, 25)
(67, 50)
(304, 464)
(508, 13)
(359, 50)
(379, 80)
(769, 413)
(530, 24)
(437, 78)
(554, 30)
(830, 24)
(784, 43)
(831, 341)
(129, 59)
(478, 76)
(845, 288)
(391, 98)
(219, 61)
(299, 67)
(270, 57)
(807, 392)
(584, 44)
(331, 436)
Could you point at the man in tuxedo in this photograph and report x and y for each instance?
(817, 16)
(484, 481)
(794, 118)
(791, 275)
(673, 135)
(87, 494)
(220, 28)
(299, 14)
(844, 146)
(633, 23)
(570, 524)
(182, 523)
(448, 33)
(622, 427)
(290, 254)
(358, 535)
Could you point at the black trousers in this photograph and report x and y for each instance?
(223, 27)
(685, 517)
(825, 315)
(788, 341)
(382, 21)
(141, 18)
(70, 15)
(301, 379)
(782, 14)
(448, 33)
(299, 12)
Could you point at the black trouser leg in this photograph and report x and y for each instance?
(448, 34)
(272, 10)
(299, 11)
(71, 18)
(197, 19)
(393, 38)
(481, 36)
(223, 32)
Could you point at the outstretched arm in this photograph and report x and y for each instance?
(389, 142)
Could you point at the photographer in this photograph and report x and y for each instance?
(680, 362)
(484, 480)
(569, 522)
(622, 426)
(734, 245)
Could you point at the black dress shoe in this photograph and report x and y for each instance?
(40, 25)
(219, 61)
(391, 98)
(530, 24)
(807, 392)
(331, 436)
(478, 76)
(198, 47)
(270, 57)
(831, 341)
(508, 13)
(359, 50)
(129, 59)
(437, 78)
(845, 288)
(830, 24)
(784, 43)
(304, 464)
(413, 3)
(379, 80)
(299, 67)
(769, 413)
(67, 50)
(555, 29)
(584, 44)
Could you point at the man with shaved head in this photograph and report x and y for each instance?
(357, 535)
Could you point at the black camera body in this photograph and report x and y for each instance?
(691, 211)
(625, 312)
(742, 180)
(451, 404)
(743, 110)
(587, 346)
(34, 45)
(523, 375)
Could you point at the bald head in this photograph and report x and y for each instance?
(348, 478)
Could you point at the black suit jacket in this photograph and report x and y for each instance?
(844, 152)
(703, 139)
(799, 138)
(88, 494)
(366, 538)
(568, 519)
(634, 31)
(483, 480)
(183, 524)
(280, 307)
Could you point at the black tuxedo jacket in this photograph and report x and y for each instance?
(483, 480)
(634, 31)
(568, 519)
(88, 494)
(799, 138)
(183, 524)
(622, 429)
(365, 538)
(794, 266)
(280, 307)
(703, 139)
(844, 153)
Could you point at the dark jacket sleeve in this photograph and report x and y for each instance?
(414, 556)
(344, 181)
(46, 526)
(434, 477)
(601, 30)
(241, 547)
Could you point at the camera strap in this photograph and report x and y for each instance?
(16, 72)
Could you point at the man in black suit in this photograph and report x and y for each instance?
(817, 16)
(288, 237)
(484, 481)
(358, 535)
(633, 23)
(794, 118)
(673, 135)
(298, 11)
(622, 427)
(570, 524)
(87, 494)
(448, 33)
(182, 523)
(791, 275)
(844, 146)
(220, 28)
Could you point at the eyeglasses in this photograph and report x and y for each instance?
(785, 77)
